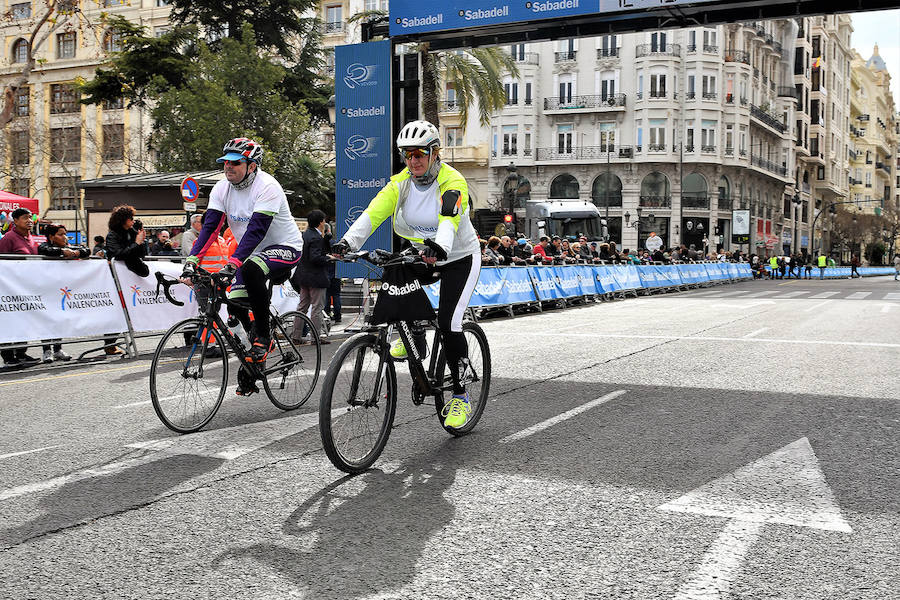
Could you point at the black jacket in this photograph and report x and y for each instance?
(121, 245)
(312, 271)
(48, 249)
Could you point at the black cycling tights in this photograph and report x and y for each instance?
(258, 300)
(458, 280)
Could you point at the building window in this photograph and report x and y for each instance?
(565, 91)
(65, 45)
(65, 144)
(512, 92)
(657, 134)
(19, 147)
(333, 20)
(658, 85)
(564, 138)
(112, 41)
(607, 86)
(116, 104)
(113, 3)
(158, 32)
(162, 3)
(63, 193)
(23, 101)
(114, 141)
(63, 98)
(21, 186)
(708, 136)
(528, 98)
(564, 186)
(517, 51)
(510, 140)
(20, 11)
(454, 136)
(20, 51)
(709, 87)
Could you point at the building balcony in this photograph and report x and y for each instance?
(644, 50)
(334, 27)
(602, 153)
(563, 57)
(785, 91)
(756, 72)
(729, 151)
(656, 147)
(767, 165)
(880, 166)
(725, 203)
(710, 49)
(655, 202)
(737, 56)
(691, 48)
(448, 106)
(609, 52)
(528, 58)
(766, 119)
(708, 149)
(700, 201)
(710, 95)
(585, 103)
(613, 200)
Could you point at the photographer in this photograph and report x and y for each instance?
(126, 240)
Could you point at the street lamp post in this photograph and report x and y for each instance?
(797, 202)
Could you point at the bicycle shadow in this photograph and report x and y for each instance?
(84, 500)
(362, 534)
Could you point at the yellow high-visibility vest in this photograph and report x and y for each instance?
(822, 261)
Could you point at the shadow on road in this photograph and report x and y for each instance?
(88, 499)
(365, 534)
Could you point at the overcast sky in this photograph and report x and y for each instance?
(880, 27)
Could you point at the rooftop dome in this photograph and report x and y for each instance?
(876, 63)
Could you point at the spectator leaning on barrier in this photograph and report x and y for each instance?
(99, 248)
(490, 252)
(18, 240)
(125, 242)
(540, 250)
(57, 246)
(506, 250)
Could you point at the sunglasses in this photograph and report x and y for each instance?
(418, 153)
(234, 163)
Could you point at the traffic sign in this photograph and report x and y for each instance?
(190, 206)
(190, 189)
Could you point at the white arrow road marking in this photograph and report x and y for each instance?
(226, 444)
(757, 332)
(11, 454)
(559, 418)
(786, 487)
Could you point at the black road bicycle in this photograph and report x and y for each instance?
(359, 393)
(189, 373)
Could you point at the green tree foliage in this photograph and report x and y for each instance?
(232, 92)
(277, 24)
(313, 185)
(145, 66)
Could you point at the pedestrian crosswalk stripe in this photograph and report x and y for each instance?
(858, 295)
(892, 296)
(761, 293)
(792, 294)
(824, 295)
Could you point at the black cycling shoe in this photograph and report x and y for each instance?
(260, 349)
(246, 384)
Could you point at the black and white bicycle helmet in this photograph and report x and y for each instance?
(419, 134)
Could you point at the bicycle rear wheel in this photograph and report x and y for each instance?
(186, 386)
(357, 405)
(291, 369)
(476, 377)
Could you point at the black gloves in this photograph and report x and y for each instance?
(227, 273)
(190, 269)
(341, 247)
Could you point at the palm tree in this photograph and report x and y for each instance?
(475, 74)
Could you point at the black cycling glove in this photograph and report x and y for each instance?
(227, 273)
(341, 247)
(190, 269)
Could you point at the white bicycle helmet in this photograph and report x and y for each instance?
(419, 134)
(238, 148)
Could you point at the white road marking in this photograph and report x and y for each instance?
(559, 418)
(815, 306)
(172, 397)
(858, 295)
(823, 295)
(792, 294)
(755, 333)
(139, 403)
(708, 338)
(786, 487)
(11, 454)
(761, 293)
(886, 307)
(892, 296)
(225, 444)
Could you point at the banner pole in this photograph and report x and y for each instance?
(131, 344)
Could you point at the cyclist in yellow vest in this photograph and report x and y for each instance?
(823, 262)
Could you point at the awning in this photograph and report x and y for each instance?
(10, 202)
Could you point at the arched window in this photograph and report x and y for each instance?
(112, 41)
(564, 186)
(607, 190)
(694, 191)
(655, 190)
(725, 193)
(20, 51)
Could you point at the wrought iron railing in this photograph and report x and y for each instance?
(761, 115)
(605, 152)
(741, 56)
(656, 201)
(695, 201)
(593, 101)
(768, 165)
(608, 52)
(658, 49)
(528, 58)
(567, 56)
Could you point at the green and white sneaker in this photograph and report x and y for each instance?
(456, 412)
(398, 350)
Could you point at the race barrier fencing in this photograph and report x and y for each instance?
(96, 298)
(841, 272)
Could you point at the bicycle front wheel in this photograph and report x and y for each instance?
(189, 375)
(357, 405)
(476, 377)
(292, 368)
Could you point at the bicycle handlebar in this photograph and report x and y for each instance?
(167, 281)
(384, 258)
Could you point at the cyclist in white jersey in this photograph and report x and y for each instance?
(269, 242)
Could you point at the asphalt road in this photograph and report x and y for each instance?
(733, 442)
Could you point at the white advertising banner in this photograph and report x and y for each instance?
(148, 311)
(44, 299)
(284, 298)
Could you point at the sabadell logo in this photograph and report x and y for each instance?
(403, 290)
